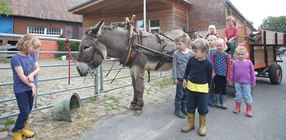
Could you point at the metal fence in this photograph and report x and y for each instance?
(99, 79)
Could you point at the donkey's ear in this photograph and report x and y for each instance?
(96, 30)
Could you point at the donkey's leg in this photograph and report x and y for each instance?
(138, 69)
(139, 88)
(134, 101)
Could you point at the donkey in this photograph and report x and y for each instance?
(100, 42)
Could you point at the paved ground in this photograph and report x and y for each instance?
(158, 122)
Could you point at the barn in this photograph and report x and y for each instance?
(165, 15)
(48, 18)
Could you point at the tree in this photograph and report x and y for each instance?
(274, 23)
(5, 8)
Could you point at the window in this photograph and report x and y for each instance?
(45, 31)
(1, 42)
(140, 24)
(54, 31)
(154, 26)
(12, 42)
(36, 30)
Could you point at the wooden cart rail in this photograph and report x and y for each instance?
(263, 52)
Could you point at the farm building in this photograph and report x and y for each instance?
(42, 18)
(165, 15)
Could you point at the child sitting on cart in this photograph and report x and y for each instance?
(230, 35)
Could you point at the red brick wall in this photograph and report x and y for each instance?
(206, 12)
(48, 46)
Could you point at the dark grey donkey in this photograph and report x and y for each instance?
(100, 42)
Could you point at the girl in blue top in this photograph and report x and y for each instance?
(25, 67)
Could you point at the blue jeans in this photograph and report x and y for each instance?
(197, 100)
(211, 94)
(243, 91)
(25, 104)
(180, 92)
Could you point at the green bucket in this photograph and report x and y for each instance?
(62, 108)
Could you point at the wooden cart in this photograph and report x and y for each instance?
(263, 52)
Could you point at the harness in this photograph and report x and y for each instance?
(136, 35)
(135, 46)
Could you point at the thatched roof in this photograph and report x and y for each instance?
(46, 9)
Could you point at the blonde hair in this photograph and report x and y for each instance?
(240, 49)
(231, 19)
(222, 41)
(28, 41)
(184, 38)
(201, 44)
(212, 27)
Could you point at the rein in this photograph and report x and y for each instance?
(71, 57)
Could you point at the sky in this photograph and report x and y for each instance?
(257, 10)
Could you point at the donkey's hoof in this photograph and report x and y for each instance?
(132, 107)
(137, 112)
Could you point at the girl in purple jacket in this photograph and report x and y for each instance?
(243, 77)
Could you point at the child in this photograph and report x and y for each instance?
(212, 42)
(212, 31)
(243, 77)
(179, 64)
(197, 78)
(25, 67)
(222, 63)
(230, 34)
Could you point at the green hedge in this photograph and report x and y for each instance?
(74, 46)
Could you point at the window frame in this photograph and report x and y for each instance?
(156, 27)
(45, 32)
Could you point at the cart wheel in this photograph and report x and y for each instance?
(275, 74)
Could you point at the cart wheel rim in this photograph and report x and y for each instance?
(278, 75)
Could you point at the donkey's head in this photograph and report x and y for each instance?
(91, 51)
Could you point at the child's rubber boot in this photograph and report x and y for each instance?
(249, 110)
(184, 107)
(216, 100)
(191, 123)
(178, 111)
(222, 100)
(27, 133)
(202, 128)
(17, 135)
(237, 107)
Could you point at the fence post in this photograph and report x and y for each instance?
(101, 78)
(37, 56)
(96, 79)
